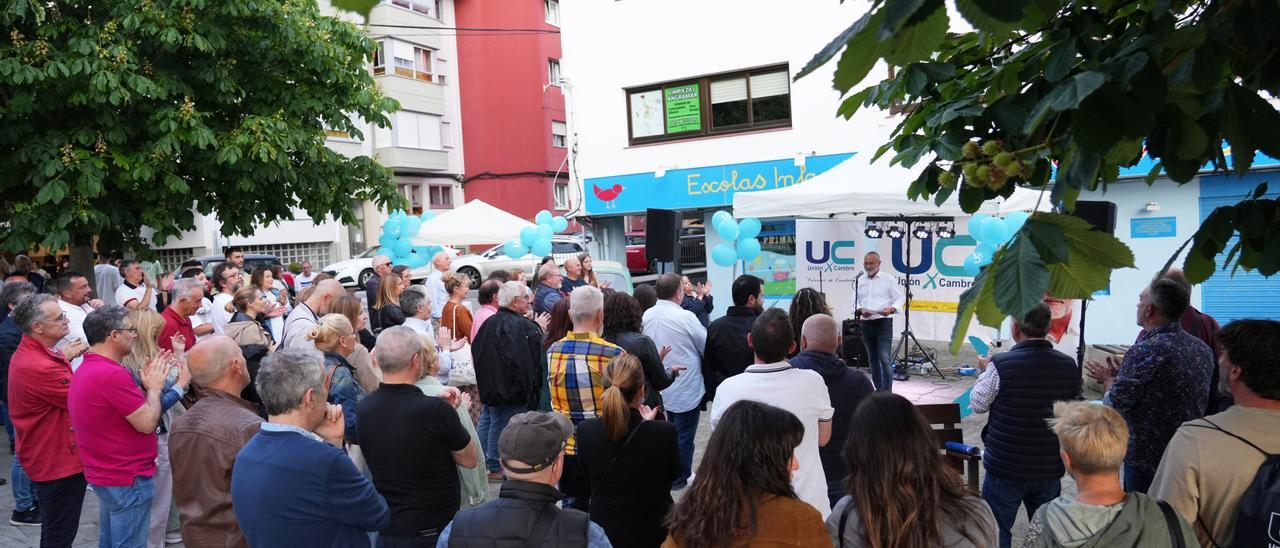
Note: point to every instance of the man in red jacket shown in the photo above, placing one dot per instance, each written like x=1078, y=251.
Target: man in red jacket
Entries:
x=39, y=379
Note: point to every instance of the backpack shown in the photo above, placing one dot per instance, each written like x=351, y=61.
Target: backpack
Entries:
x=1258, y=512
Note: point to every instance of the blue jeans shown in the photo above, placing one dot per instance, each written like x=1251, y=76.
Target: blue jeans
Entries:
x=124, y=513
x=493, y=419
x=24, y=492
x=877, y=336
x=1137, y=479
x=686, y=429
x=8, y=424
x=1004, y=496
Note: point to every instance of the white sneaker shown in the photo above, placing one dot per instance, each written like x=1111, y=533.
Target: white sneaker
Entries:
x=172, y=538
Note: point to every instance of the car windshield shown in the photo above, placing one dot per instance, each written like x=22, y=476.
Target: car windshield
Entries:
x=616, y=281
x=369, y=253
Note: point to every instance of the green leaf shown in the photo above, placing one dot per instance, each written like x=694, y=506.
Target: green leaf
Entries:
x=993, y=16
x=1154, y=173
x=1260, y=190
x=896, y=12
x=1021, y=277
x=1197, y=268
x=852, y=103
x=1077, y=277
x=1098, y=246
x=918, y=41
x=858, y=58
x=1062, y=56
x=1048, y=240
x=1192, y=140
x=964, y=313
x=971, y=198
x=834, y=46
x=1070, y=93
x=361, y=7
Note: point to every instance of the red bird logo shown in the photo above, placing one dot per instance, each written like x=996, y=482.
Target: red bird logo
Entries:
x=608, y=195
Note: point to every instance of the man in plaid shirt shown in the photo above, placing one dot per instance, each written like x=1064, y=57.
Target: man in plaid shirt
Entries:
x=575, y=371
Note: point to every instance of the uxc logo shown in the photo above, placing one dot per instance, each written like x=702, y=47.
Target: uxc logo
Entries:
x=831, y=251
x=841, y=252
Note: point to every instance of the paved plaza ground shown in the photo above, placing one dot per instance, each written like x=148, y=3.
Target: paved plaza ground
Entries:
x=920, y=389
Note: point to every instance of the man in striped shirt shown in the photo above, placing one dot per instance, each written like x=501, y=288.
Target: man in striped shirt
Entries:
x=575, y=370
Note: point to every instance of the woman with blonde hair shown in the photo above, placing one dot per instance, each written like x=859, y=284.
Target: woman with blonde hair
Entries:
x=630, y=459
x=474, y=481
x=386, y=304
x=336, y=338
x=145, y=347
x=351, y=307
x=247, y=305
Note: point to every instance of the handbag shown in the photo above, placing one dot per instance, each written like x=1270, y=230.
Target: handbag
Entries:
x=463, y=372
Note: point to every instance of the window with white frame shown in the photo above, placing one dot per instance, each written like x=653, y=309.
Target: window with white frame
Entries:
x=446, y=134
x=560, y=193
x=553, y=70
x=559, y=134
x=439, y=13
x=551, y=8
x=420, y=6
x=380, y=58
x=441, y=196
x=417, y=130
x=438, y=69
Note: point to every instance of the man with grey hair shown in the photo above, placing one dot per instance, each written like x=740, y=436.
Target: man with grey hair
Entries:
x=548, y=291
x=115, y=425
x=576, y=374
x=136, y=289
x=205, y=440
x=417, y=310
x=511, y=368
x=669, y=324
x=292, y=484
x=306, y=316
x=39, y=379
x=412, y=443
x=846, y=387
x=187, y=295
x=440, y=263
x=24, y=494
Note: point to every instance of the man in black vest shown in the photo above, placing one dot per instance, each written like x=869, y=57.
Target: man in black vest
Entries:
x=1019, y=387
x=531, y=450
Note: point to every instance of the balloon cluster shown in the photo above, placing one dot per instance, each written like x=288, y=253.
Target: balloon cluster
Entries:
x=536, y=239
x=991, y=233
x=741, y=235
x=396, y=231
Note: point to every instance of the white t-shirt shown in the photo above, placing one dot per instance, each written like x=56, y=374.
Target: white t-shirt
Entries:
x=302, y=281
x=126, y=293
x=75, y=323
x=219, y=314
x=802, y=393
x=203, y=316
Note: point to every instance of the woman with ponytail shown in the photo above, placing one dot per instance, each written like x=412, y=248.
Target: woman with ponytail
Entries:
x=248, y=306
x=629, y=458
x=336, y=338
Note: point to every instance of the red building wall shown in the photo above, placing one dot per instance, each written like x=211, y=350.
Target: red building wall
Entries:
x=506, y=114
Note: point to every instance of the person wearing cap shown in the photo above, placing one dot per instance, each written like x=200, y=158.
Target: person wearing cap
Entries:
x=531, y=451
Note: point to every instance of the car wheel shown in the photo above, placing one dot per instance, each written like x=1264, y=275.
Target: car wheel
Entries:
x=364, y=278
x=471, y=273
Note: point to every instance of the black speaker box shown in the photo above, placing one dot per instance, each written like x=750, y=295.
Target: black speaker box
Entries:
x=662, y=235
x=852, y=351
x=1102, y=215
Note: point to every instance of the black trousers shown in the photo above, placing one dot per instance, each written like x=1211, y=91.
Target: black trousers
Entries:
x=60, y=504
x=575, y=484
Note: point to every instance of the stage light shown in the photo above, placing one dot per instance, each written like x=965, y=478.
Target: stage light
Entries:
x=921, y=232
x=895, y=231
x=873, y=231
x=945, y=231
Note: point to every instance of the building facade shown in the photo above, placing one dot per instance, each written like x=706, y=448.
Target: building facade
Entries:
x=516, y=129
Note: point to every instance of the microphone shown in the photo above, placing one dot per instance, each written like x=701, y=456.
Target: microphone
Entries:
x=860, y=274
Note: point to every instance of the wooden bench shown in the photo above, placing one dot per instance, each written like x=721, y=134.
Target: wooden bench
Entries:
x=945, y=419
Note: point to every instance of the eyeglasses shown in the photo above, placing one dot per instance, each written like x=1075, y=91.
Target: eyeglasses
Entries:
x=133, y=330
x=62, y=317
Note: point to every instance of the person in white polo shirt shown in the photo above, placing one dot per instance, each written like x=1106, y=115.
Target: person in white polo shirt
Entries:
x=136, y=291
x=772, y=380
x=74, y=300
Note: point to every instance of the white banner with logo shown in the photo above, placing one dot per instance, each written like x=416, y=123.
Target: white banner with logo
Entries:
x=829, y=255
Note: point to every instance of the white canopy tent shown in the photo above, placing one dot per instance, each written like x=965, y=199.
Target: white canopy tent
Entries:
x=857, y=187
x=475, y=222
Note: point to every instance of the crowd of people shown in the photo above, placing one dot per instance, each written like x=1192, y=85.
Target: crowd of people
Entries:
x=253, y=409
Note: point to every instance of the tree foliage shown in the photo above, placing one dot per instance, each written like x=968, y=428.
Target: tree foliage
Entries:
x=124, y=114
x=1060, y=95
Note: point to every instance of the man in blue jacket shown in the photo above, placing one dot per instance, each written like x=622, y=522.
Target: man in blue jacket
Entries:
x=1019, y=388
x=292, y=484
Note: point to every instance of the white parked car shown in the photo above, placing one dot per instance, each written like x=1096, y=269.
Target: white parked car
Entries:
x=354, y=272
x=479, y=266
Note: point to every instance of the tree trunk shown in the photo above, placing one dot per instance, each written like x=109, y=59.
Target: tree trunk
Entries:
x=82, y=258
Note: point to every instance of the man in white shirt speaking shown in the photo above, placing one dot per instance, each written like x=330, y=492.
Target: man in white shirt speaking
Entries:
x=875, y=302
x=772, y=380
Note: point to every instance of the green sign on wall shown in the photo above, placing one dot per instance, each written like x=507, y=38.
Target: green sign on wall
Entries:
x=684, y=108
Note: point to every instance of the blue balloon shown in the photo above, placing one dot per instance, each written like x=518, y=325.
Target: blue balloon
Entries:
x=410, y=225
x=987, y=250
x=748, y=249
x=724, y=255
x=392, y=226
x=974, y=262
x=544, y=233
x=993, y=231
x=720, y=216
x=401, y=260
x=418, y=260
x=748, y=228
x=542, y=248
x=543, y=218
x=514, y=250
x=975, y=224
x=403, y=247
x=559, y=224
x=528, y=235
x=1015, y=220
x=728, y=229
x=386, y=241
